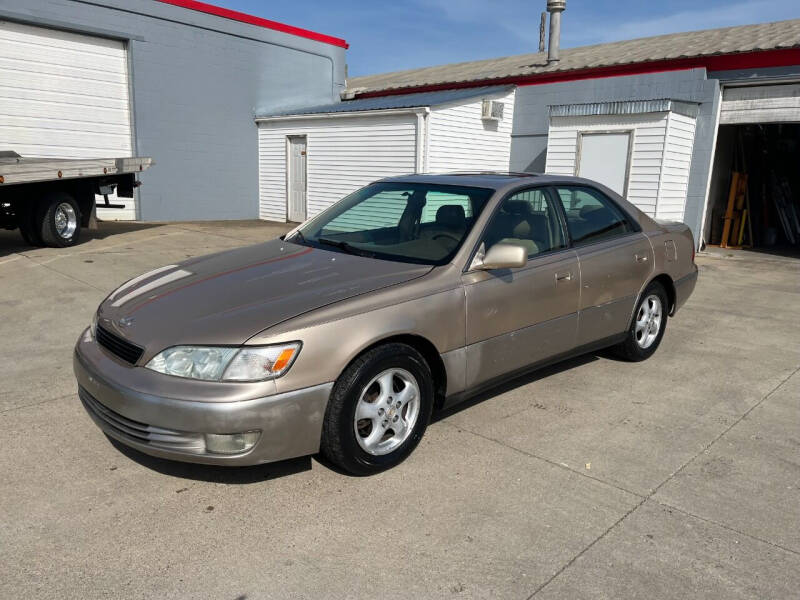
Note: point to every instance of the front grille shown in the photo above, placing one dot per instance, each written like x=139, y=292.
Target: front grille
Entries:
x=158, y=437
x=118, y=346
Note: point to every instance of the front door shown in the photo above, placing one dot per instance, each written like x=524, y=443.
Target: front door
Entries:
x=616, y=261
x=296, y=177
x=518, y=317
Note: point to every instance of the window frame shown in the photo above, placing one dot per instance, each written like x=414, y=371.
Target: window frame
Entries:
x=629, y=221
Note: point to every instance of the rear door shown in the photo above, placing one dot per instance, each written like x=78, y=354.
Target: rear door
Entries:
x=296, y=175
x=518, y=317
x=615, y=261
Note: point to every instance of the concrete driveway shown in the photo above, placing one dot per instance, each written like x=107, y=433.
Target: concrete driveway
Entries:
x=674, y=478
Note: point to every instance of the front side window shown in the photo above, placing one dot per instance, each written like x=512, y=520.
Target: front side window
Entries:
x=411, y=222
x=527, y=219
x=591, y=216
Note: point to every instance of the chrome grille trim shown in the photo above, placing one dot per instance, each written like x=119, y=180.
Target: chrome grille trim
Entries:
x=142, y=433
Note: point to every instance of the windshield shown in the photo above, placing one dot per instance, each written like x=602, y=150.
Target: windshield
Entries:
x=410, y=222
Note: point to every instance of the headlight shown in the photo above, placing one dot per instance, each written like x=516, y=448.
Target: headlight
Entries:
x=93, y=326
x=215, y=363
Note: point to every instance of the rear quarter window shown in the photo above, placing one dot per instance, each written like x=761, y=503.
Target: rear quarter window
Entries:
x=591, y=215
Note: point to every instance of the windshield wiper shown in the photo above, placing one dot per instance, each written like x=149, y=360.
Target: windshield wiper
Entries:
x=342, y=245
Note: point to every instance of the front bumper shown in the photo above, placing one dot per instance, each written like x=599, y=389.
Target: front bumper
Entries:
x=121, y=401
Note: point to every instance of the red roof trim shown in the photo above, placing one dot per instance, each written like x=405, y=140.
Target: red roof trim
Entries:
x=723, y=62
x=235, y=15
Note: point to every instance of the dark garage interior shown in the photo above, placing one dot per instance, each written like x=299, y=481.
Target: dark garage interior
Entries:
x=755, y=187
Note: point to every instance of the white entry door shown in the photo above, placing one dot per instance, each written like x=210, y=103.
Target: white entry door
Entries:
x=296, y=177
x=605, y=157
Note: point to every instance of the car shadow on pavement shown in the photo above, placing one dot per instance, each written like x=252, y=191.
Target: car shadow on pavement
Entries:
x=515, y=382
x=215, y=474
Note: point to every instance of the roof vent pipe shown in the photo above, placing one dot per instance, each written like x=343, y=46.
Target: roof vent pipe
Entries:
x=555, y=8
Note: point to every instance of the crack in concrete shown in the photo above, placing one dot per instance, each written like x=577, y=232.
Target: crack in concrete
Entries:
x=726, y=527
x=21, y=406
x=553, y=463
x=64, y=275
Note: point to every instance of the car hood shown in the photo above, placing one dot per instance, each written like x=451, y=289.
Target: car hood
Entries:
x=229, y=297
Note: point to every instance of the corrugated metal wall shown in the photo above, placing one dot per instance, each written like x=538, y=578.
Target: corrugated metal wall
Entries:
x=531, y=122
x=659, y=162
x=460, y=140
x=344, y=154
x=677, y=164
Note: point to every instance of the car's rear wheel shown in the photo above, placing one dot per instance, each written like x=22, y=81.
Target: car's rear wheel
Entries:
x=378, y=410
x=647, y=326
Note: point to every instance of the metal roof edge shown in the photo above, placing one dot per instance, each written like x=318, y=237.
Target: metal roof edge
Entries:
x=384, y=105
x=352, y=113
x=626, y=107
x=235, y=15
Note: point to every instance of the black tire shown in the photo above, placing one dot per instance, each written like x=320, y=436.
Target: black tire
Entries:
x=339, y=444
x=631, y=349
x=48, y=211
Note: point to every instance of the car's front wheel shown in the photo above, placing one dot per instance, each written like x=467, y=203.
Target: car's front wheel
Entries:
x=648, y=325
x=378, y=410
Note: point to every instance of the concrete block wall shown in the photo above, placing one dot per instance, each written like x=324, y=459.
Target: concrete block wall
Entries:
x=532, y=120
x=197, y=82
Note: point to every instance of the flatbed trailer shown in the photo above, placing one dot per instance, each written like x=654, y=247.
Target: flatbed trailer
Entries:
x=51, y=199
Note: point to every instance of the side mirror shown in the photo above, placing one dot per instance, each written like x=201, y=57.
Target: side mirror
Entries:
x=501, y=256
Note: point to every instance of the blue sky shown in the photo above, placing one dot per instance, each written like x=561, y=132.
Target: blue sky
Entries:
x=393, y=35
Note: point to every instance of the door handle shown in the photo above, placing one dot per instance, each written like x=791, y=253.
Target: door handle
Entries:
x=640, y=257
x=565, y=276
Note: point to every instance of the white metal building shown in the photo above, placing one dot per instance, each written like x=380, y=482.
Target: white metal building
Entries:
x=311, y=158
x=665, y=120
x=175, y=80
x=640, y=149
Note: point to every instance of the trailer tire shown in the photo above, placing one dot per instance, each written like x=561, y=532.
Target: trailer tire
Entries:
x=59, y=220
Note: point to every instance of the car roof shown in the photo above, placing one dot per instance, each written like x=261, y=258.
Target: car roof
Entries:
x=485, y=179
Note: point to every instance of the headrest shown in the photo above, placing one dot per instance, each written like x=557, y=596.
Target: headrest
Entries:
x=451, y=215
x=591, y=212
x=517, y=207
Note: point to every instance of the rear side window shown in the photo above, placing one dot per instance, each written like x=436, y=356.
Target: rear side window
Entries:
x=591, y=216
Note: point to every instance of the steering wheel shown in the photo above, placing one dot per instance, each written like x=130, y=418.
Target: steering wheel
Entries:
x=447, y=235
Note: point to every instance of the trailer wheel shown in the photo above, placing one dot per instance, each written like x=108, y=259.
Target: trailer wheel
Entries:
x=60, y=220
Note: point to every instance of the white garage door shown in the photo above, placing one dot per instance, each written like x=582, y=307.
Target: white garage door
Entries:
x=760, y=104
x=64, y=95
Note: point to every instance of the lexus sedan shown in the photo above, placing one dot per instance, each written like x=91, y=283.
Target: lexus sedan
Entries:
x=405, y=297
